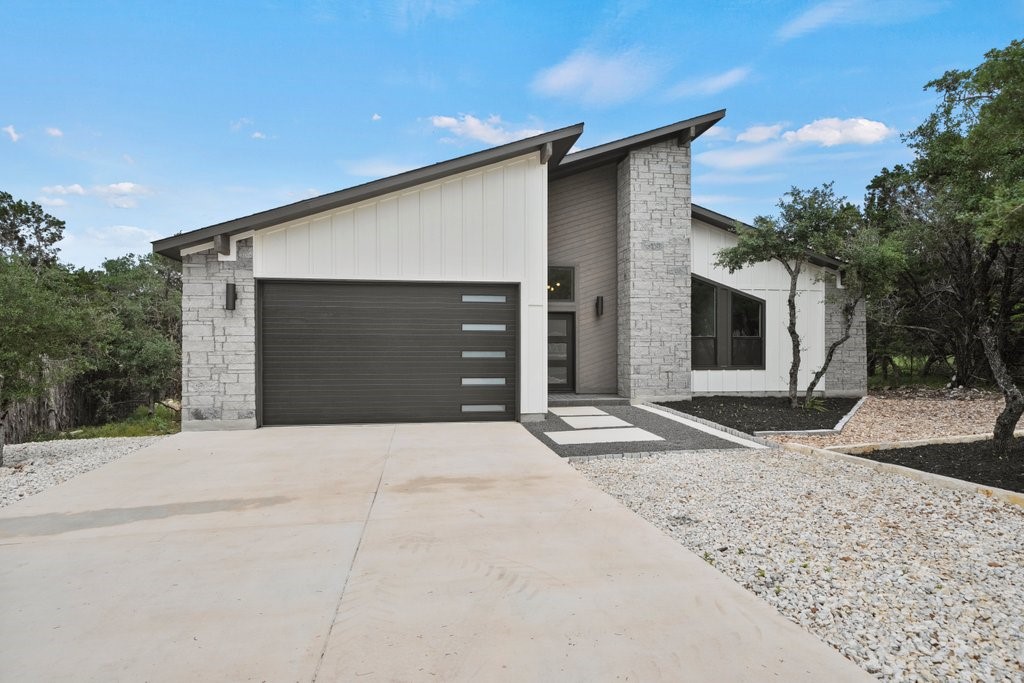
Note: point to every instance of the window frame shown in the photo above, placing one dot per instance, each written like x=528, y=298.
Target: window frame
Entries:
x=723, y=327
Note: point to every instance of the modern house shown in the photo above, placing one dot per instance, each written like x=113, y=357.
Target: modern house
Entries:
x=473, y=288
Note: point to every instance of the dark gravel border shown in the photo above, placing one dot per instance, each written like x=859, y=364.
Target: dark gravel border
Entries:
x=678, y=437
x=751, y=414
x=973, y=461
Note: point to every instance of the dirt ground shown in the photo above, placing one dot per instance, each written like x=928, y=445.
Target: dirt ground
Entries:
x=907, y=414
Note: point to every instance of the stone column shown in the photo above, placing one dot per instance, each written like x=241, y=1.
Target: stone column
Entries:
x=847, y=375
x=654, y=255
x=218, y=347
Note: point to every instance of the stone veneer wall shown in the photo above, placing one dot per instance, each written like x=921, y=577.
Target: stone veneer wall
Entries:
x=218, y=359
x=847, y=375
x=654, y=232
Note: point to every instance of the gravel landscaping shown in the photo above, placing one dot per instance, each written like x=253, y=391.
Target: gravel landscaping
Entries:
x=909, y=581
x=754, y=414
x=906, y=414
x=34, y=467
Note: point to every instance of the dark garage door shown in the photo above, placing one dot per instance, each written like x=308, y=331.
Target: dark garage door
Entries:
x=336, y=352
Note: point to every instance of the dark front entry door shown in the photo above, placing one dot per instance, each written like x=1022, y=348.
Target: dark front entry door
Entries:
x=561, y=352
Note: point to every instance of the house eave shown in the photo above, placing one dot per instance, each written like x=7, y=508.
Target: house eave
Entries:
x=554, y=145
x=732, y=225
x=686, y=131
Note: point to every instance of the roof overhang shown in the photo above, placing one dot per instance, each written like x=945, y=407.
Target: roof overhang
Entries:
x=612, y=152
x=732, y=225
x=552, y=146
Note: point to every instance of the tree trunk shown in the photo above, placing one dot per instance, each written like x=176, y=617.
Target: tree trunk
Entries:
x=4, y=406
x=849, y=309
x=794, y=336
x=1013, y=406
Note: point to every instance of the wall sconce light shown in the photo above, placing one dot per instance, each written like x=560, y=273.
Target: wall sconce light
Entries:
x=599, y=306
x=230, y=297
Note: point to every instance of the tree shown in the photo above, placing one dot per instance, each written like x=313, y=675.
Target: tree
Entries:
x=142, y=346
x=28, y=231
x=970, y=151
x=46, y=331
x=871, y=262
x=808, y=220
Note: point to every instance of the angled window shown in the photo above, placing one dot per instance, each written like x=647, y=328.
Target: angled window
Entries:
x=560, y=284
x=727, y=328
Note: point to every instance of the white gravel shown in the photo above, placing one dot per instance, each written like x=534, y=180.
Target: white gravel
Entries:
x=34, y=467
x=909, y=581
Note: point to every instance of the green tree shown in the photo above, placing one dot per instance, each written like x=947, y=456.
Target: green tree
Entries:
x=970, y=152
x=143, y=343
x=814, y=220
x=46, y=331
x=871, y=263
x=28, y=231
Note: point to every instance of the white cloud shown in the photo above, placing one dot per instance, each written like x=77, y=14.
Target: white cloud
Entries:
x=766, y=146
x=128, y=159
x=406, y=13
x=123, y=195
x=375, y=167
x=760, y=133
x=493, y=130
x=258, y=135
x=832, y=131
x=123, y=235
x=743, y=157
x=598, y=79
x=711, y=85
x=717, y=133
x=51, y=201
x=850, y=12
x=375, y=117
x=55, y=132
x=13, y=134
x=64, y=189
x=239, y=124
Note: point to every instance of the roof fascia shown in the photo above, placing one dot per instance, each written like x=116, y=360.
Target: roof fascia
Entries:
x=723, y=222
x=561, y=141
x=686, y=131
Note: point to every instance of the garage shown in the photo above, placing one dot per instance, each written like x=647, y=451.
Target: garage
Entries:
x=360, y=352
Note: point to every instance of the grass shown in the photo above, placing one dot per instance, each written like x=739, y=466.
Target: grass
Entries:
x=141, y=423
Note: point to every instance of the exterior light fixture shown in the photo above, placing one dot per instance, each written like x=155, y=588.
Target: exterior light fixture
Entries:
x=230, y=297
x=599, y=306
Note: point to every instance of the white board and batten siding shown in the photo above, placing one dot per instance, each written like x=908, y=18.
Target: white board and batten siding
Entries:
x=485, y=225
x=768, y=281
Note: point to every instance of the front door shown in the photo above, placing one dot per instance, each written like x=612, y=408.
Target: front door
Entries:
x=561, y=352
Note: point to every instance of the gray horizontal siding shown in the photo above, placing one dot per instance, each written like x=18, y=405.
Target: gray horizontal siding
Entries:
x=582, y=233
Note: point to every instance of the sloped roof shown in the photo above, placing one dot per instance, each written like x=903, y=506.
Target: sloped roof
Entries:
x=731, y=225
x=689, y=130
x=560, y=140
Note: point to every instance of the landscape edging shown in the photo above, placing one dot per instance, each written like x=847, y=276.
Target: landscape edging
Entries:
x=714, y=425
x=854, y=448
x=937, y=480
x=817, y=432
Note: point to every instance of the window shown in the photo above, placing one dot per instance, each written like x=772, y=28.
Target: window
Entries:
x=727, y=327
x=560, y=284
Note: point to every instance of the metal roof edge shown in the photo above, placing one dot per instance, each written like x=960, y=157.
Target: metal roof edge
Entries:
x=723, y=222
x=561, y=141
x=612, y=151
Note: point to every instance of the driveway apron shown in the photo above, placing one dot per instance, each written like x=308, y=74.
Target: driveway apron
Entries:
x=387, y=552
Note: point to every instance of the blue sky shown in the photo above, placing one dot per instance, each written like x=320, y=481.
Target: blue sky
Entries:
x=136, y=120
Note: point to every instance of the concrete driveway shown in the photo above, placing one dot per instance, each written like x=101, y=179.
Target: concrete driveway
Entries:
x=409, y=552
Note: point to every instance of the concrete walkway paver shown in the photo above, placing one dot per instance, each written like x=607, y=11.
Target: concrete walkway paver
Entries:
x=409, y=552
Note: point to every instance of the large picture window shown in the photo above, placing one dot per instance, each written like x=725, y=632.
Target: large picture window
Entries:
x=727, y=327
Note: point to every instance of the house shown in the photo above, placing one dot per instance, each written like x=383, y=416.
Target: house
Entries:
x=471, y=288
